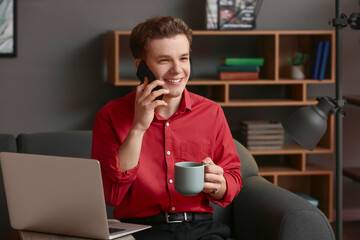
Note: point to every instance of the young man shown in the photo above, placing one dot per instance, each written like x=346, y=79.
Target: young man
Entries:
x=138, y=139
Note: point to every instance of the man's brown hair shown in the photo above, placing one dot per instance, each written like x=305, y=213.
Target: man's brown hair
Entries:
x=156, y=27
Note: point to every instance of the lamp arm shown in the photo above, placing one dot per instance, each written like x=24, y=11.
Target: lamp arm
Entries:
x=339, y=106
x=337, y=103
x=343, y=21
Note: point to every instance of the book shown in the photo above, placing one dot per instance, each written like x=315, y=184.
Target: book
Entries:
x=238, y=76
x=324, y=59
x=211, y=17
x=238, y=68
x=249, y=137
x=238, y=14
x=265, y=131
x=317, y=60
x=261, y=124
x=242, y=61
x=251, y=148
x=265, y=143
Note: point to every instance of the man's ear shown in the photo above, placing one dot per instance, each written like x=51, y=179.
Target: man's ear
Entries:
x=137, y=61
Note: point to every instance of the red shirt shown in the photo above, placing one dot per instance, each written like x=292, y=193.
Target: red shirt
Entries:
x=196, y=131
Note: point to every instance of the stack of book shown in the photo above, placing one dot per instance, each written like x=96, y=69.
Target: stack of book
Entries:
x=262, y=135
x=240, y=68
x=320, y=57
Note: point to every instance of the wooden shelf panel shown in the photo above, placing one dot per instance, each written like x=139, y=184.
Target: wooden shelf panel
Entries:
x=292, y=148
x=288, y=171
x=353, y=99
x=127, y=82
x=252, y=32
x=265, y=103
x=275, y=170
x=232, y=33
x=207, y=82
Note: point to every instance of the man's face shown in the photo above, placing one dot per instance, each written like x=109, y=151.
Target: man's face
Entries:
x=169, y=60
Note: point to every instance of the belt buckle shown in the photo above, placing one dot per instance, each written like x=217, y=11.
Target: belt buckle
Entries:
x=174, y=221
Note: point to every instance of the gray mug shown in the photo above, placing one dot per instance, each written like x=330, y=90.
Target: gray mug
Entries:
x=189, y=177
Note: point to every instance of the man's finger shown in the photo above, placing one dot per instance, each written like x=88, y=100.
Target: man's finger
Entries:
x=208, y=160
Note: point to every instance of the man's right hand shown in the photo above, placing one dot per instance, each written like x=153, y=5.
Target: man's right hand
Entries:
x=129, y=150
x=145, y=104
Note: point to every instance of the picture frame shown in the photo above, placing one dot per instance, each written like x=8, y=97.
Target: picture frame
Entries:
x=8, y=28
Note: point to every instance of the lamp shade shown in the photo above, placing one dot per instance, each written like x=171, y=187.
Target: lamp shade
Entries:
x=308, y=125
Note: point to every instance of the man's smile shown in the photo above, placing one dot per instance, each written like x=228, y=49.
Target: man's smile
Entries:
x=174, y=80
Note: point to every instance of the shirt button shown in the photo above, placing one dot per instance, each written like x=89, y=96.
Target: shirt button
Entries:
x=168, y=152
x=167, y=124
x=173, y=209
x=170, y=181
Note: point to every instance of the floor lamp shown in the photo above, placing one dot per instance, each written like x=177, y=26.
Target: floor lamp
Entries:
x=308, y=125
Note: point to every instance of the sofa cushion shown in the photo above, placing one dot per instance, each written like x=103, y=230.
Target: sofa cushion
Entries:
x=66, y=144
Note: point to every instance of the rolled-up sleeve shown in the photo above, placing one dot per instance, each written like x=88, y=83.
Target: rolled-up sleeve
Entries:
x=105, y=145
x=225, y=155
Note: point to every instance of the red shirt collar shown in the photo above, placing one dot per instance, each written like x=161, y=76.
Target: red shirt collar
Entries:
x=186, y=105
x=186, y=102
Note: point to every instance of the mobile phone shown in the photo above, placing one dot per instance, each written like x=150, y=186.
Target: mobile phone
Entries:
x=144, y=71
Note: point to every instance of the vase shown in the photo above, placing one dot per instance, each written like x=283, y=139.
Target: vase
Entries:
x=297, y=72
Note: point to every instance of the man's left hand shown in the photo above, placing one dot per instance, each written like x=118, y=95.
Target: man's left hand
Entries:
x=215, y=183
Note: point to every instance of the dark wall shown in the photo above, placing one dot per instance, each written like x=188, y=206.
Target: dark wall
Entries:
x=57, y=81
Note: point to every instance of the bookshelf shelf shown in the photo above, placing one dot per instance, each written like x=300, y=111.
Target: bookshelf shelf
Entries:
x=263, y=103
x=292, y=148
x=199, y=82
x=274, y=89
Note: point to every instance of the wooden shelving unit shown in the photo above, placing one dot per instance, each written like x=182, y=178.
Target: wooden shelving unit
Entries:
x=288, y=167
x=352, y=172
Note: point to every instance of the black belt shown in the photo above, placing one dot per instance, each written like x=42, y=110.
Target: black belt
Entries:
x=165, y=217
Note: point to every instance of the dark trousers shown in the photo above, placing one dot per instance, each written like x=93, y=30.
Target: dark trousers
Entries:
x=196, y=230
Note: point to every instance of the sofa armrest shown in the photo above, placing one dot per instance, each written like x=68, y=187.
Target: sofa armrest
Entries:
x=265, y=211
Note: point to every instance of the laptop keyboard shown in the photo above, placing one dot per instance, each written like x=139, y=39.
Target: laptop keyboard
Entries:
x=115, y=230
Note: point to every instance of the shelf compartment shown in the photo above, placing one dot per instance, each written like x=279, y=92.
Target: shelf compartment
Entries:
x=290, y=162
x=218, y=93
x=120, y=62
x=290, y=43
x=242, y=46
x=268, y=93
x=270, y=178
x=312, y=183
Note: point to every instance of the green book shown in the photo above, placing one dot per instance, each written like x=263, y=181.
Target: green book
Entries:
x=242, y=61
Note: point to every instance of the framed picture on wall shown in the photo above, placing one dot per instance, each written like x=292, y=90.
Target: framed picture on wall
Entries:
x=8, y=28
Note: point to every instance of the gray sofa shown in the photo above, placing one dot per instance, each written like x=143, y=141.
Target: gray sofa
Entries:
x=7, y=144
x=260, y=211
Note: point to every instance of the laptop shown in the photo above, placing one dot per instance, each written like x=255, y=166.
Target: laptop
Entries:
x=59, y=195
